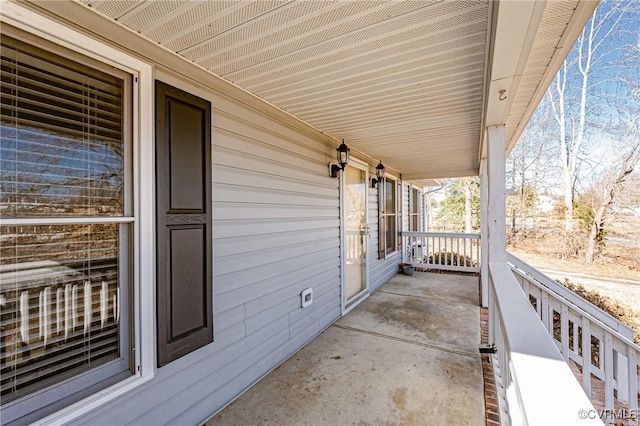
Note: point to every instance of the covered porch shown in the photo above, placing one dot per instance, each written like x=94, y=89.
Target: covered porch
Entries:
x=431, y=89
x=406, y=355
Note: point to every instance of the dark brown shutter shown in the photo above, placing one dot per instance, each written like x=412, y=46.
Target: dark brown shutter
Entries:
x=184, y=221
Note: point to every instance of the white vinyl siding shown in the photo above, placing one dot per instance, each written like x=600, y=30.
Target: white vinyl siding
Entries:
x=276, y=232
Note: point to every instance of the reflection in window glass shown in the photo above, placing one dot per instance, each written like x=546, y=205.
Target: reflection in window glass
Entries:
x=61, y=141
x=61, y=303
x=389, y=196
x=63, y=287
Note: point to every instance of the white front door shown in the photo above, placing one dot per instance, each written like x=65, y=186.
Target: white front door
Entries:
x=354, y=249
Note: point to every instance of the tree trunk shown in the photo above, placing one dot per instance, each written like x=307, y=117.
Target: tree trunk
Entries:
x=594, y=234
x=568, y=202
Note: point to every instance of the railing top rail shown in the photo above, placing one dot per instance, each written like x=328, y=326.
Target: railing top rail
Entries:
x=534, y=358
x=588, y=307
x=440, y=234
x=591, y=318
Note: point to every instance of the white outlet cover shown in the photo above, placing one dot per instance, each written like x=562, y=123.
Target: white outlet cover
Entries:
x=307, y=297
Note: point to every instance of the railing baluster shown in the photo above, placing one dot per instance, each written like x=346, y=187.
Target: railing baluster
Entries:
x=608, y=371
x=586, y=355
x=621, y=376
x=59, y=310
x=67, y=310
x=46, y=315
x=87, y=306
x=104, y=300
x=116, y=306
x=632, y=368
x=24, y=316
x=546, y=313
x=74, y=306
x=564, y=331
x=41, y=314
x=468, y=256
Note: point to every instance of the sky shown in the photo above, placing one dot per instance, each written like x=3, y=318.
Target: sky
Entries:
x=613, y=95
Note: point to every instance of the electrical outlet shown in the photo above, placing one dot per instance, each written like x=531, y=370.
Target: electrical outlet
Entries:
x=307, y=297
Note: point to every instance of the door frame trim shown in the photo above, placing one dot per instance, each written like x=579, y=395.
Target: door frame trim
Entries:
x=345, y=305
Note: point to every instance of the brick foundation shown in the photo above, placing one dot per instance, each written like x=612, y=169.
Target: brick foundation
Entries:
x=491, y=408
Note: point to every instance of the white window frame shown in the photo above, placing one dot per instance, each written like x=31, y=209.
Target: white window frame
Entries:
x=143, y=276
x=397, y=214
x=412, y=202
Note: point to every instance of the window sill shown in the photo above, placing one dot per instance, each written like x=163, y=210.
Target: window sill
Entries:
x=93, y=402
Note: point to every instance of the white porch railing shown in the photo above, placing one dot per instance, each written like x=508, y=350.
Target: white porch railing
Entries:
x=539, y=387
x=449, y=251
x=601, y=345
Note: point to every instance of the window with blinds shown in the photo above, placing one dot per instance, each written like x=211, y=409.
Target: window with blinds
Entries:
x=414, y=210
x=65, y=233
x=391, y=221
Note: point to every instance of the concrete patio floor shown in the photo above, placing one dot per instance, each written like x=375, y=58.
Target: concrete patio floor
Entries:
x=406, y=355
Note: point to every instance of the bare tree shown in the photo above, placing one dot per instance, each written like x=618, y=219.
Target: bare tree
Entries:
x=605, y=191
x=530, y=166
x=575, y=93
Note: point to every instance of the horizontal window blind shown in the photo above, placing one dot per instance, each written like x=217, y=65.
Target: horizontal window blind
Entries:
x=60, y=303
x=63, y=287
x=61, y=142
x=390, y=215
x=414, y=212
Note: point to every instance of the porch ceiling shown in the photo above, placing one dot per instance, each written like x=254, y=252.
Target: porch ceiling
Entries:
x=404, y=82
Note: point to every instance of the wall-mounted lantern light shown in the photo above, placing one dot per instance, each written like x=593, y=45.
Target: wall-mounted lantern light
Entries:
x=343, y=154
x=379, y=175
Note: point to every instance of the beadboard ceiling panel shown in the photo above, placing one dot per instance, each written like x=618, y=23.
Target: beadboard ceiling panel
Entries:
x=402, y=81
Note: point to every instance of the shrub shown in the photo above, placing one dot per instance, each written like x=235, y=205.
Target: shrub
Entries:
x=450, y=258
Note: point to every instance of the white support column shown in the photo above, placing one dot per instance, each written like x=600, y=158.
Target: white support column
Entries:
x=484, y=208
x=496, y=214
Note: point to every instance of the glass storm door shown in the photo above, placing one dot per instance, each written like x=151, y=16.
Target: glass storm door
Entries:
x=355, y=225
